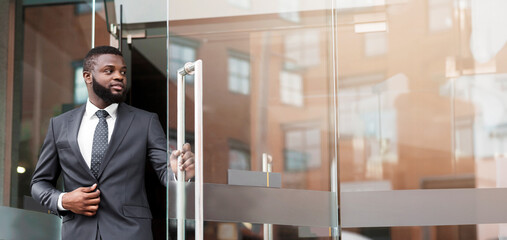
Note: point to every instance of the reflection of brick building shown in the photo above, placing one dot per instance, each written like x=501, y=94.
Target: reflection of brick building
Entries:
x=406, y=118
x=274, y=108
x=402, y=95
x=402, y=120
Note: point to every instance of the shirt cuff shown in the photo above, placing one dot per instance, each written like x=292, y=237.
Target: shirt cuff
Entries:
x=60, y=205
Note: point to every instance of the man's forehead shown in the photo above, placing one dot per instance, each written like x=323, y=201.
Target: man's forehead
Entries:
x=110, y=59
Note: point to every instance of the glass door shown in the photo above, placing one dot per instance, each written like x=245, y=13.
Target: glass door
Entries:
x=268, y=117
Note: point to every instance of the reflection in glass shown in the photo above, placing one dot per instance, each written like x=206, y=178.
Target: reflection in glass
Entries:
x=267, y=90
x=180, y=52
x=421, y=105
x=45, y=79
x=52, y=81
x=239, y=73
x=291, y=88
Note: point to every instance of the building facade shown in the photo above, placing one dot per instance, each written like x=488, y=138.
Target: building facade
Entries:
x=387, y=114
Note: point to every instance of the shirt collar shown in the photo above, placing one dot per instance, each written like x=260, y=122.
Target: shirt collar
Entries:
x=92, y=109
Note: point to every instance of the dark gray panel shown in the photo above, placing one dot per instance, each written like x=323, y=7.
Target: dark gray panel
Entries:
x=48, y=2
x=23, y=224
x=227, y=203
x=251, y=178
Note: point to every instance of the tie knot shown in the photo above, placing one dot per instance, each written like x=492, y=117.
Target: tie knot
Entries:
x=101, y=114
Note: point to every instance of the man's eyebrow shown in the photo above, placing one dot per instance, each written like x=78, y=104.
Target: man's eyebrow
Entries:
x=113, y=66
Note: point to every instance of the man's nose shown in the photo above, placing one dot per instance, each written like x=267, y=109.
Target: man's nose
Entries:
x=118, y=76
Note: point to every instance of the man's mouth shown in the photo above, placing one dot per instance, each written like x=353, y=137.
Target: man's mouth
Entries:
x=117, y=87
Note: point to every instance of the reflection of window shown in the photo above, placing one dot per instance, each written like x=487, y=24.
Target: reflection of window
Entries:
x=239, y=73
x=375, y=44
x=239, y=159
x=239, y=155
x=80, y=91
x=83, y=8
x=181, y=51
x=240, y=3
x=291, y=88
x=289, y=10
x=302, y=148
x=302, y=49
x=440, y=15
x=464, y=138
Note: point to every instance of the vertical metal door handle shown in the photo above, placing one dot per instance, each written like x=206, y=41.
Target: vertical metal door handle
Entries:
x=198, y=129
x=180, y=190
x=196, y=69
x=267, y=167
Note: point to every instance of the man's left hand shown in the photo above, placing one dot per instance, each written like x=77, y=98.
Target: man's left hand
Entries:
x=187, y=161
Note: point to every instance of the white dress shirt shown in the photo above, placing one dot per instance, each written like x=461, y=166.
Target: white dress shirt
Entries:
x=87, y=130
x=88, y=125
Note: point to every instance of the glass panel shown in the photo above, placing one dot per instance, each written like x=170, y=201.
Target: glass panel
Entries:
x=280, y=68
x=51, y=79
x=268, y=89
x=420, y=106
x=46, y=42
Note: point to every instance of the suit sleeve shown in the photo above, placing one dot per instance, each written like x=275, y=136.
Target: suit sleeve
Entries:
x=46, y=174
x=157, y=150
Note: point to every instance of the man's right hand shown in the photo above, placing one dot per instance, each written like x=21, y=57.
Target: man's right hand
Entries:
x=83, y=200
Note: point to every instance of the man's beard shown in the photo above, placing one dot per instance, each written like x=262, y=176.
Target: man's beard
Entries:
x=106, y=94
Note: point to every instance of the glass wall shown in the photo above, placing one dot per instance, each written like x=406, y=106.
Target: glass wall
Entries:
x=46, y=45
x=421, y=96
x=412, y=89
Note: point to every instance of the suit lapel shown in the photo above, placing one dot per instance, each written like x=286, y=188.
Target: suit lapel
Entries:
x=123, y=122
x=74, y=122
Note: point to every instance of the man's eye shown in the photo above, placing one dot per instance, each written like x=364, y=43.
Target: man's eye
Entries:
x=123, y=72
x=108, y=71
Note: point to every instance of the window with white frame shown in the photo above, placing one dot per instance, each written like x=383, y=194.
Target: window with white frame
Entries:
x=239, y=73
x=181, y=51
x=302, y=148
x=302, y=48
x=291, y=88
x=239, y=159
x=85, y=8
x=239, y=155
x=80, y=90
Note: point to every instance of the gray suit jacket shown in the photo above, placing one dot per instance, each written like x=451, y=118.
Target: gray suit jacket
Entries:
x=123, y=212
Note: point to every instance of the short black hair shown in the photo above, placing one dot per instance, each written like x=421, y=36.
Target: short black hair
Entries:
x=91, y=56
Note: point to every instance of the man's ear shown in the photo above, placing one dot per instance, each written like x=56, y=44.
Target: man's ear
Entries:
x=87, y=77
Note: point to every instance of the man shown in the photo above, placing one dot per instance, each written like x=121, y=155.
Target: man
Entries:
x=100, y=149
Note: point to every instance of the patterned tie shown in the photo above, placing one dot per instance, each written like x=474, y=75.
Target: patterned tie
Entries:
x=100, y=142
